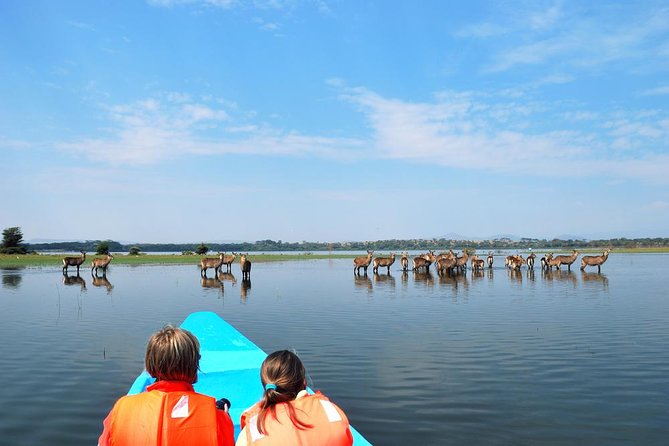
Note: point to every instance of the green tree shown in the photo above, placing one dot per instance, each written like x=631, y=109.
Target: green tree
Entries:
x=11, y=241
x=202, y=249
x=102, y=248
x=134, y=251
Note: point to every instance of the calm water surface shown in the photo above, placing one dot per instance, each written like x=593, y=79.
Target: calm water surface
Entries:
x=500, y=358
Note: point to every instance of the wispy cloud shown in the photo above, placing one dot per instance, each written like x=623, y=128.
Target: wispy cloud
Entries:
x=174, y=126
x=524, y=36
x=657, y=91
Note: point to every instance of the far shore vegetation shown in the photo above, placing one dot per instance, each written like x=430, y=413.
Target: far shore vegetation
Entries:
x=14, y=252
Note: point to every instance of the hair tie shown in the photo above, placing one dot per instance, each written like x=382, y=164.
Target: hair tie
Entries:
x=270, y=386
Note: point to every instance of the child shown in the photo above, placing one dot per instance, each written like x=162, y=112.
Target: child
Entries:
x=170, y=412
x=286, y=414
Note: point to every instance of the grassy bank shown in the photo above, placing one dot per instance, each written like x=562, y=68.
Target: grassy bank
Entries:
x=167, y=259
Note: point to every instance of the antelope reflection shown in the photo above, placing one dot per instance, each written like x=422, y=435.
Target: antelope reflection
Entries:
x=384, y=279
x=594, y=278
x=102, y=282
x=559, y=275
x=74, y=280
x=363, y=282
x=425, y=278
x=11, y=279
x=244, y=290
x=227, y=277
x=211, y=283
x=455, y=281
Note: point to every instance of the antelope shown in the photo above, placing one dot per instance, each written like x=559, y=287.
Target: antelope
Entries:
x=553, y=262
x=209, y=262
x=362, y=262
x=445, y=263
x=383, y=261
x=530, y=260
x=404, y=261
x=597, y=261
x=566, y=260
x=227, y=261
x=545, y=259
x=74, y=261
x=490, y=259
x=101, y=263
x=245, y=264
x=515, y=262
x=477, y=264
x=461, y=262
x=423, y=261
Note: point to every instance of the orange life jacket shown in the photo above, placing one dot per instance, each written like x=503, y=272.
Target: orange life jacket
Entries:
x=330, y=424
x=168, y=413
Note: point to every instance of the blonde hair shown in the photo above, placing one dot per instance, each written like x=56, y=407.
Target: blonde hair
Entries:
x=286, y=376
x=173, y=354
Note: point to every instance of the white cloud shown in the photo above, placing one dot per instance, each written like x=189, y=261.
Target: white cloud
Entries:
x=662, y=90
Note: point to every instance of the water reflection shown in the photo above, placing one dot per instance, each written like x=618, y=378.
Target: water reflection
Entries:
x=102, y=282
x=455, y=281
x=424, y=278
x=11, y=278
x=227, y=277
x=594, y=279
x=516, y=275
x=244, y=290
x=362, y=282
x=212, y=283
x=560, y=275
x=384, y=279
x=74, y=280
x=530, y=275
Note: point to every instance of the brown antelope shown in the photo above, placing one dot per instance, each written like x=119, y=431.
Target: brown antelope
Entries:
x=530, y=260
x=383, y=261
x=515, y=261
x=362, y=262
x=404, y=261
x=477, y=264
x=209, y=262
x=245, y=265
x=490, y=259
x=566, y=260
x=597, y=261
x=74, y=261
x=446, y=264
x=545, y=259
x=423, y=261
x=101, y=263
x=461, y=262
x=227, y=261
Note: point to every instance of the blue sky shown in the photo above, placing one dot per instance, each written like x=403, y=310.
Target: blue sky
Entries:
x=193, y=120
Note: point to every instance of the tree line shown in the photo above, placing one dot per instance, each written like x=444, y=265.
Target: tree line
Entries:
x=378, y=245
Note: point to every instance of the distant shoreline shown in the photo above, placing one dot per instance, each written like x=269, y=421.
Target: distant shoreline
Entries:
x=9, y=260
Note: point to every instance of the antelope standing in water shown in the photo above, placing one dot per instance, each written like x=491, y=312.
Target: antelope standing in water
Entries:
x=477, y=264
x=445, y=263
x=209, y=262
x=597, y=261
x=101, y=263
x=515, y=262
x=461, y=262
x=423, y=261
x=383, y=261
x=74, y=261
x=490, y=259
x=362, y=262
x=245, y=265
x=227, y=261
x=530, y=260
x=565, y=260
x=545, y=260
x=404, y=261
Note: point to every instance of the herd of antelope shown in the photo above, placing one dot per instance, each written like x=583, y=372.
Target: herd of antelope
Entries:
x=450, y=262
x=223, y=259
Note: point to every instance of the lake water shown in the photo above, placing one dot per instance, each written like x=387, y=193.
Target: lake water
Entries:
x=498, y=358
